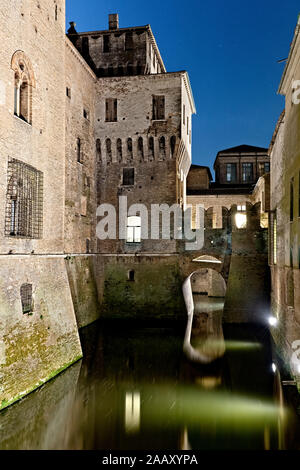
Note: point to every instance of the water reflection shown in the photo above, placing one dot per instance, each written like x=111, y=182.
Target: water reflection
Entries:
x=136, y=390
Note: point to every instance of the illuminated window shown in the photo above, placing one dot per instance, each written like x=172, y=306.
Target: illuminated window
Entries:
x=133, y=229
x=241, y=217
x=231, y=172
x=247, y=172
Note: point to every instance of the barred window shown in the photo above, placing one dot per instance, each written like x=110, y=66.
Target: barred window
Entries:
x=26, y=298
x=24, y=201
x=158, y=107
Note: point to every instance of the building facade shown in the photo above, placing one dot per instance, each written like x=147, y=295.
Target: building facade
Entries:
x=285, y=213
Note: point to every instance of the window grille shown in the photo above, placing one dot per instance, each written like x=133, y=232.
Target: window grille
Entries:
x=24, y=201
x=26, y=298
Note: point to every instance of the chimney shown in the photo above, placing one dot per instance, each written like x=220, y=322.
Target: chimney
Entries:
x=113, y=21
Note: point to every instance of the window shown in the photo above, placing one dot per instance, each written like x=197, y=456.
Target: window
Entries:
x=133, y=229
x=241, y=216
x=108, y=151
x=24, y=81
x=131, y=276
x=24, y=201
x=26, y=298
x=128, y=176
x=231, y=172
x=158, y=105
x=119, y=150
x=68, y=92
x=55, y=14
x=106, y=43
x=247, y=172
x=129, y=149
x=263, y=168
x=151, y=148
x=79, y=153
x=172, y=145
x=129, y=41
x=140, y=148
x=183, y=115
x=98, y=150
x=85, y=114
x=111, y=110
x=292, y=200
x=162, y=147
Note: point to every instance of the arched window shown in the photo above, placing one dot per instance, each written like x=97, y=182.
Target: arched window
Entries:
x=151, y=148
x=162, y=147
x=119, y=150
x=140, y=148
x=133, y=234
x=98, y=150
x=108, y=151
x=129, y=149
x=172, y=145
x=24, y=81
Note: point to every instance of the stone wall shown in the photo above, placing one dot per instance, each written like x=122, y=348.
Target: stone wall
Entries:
x=80, y=197
x=155, y=291
x=39, y=344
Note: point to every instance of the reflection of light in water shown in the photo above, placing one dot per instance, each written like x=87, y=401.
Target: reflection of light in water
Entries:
x=132, y=411
x=208, y=382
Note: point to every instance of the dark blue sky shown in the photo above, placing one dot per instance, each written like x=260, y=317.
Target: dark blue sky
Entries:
x=230, y=49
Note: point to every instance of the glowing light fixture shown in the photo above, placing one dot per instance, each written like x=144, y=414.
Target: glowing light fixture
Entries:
x=273, y=321
x=274, y=368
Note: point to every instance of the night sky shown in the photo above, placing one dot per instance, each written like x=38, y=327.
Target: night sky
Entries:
x=230, y=50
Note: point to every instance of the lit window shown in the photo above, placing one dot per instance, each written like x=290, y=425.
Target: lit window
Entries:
x=240, y=220
x=133, y=229
x=247, y=172
x=241, y=208
x=231, y=172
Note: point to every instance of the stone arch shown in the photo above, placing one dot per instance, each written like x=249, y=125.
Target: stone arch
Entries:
x=208, y=281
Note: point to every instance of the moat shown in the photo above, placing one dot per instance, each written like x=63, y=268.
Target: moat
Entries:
x=135, y=389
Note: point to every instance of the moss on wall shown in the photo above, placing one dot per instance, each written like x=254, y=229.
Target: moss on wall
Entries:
x=155, y=292
x=83, y=289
